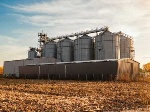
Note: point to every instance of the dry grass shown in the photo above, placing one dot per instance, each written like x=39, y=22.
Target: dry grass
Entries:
x=143, y=77
x=68, y=96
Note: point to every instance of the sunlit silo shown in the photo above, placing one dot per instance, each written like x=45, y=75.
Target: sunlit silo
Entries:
x=83, y=48
x=107, y=46
x=32, y=53
x=65, y=50
x=126, y=47
x=49, y=49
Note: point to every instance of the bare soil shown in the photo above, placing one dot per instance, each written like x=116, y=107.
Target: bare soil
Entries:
x=73, y=96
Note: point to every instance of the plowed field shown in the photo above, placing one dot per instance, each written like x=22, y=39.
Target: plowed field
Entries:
x=76, y=96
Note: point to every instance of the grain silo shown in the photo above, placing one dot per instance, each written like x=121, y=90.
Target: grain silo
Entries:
x=65, y=50
x=126, y=47
x=32, y=53
x=107, y=46
x=83, y=48
x=49, y=49
x=43, y=51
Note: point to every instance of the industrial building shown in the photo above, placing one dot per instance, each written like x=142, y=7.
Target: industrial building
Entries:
x=12, y=67
x=105, y=45
x=85, y=56
x=122, y=69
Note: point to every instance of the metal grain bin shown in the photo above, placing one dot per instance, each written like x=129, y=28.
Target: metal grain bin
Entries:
x=107, y=46
x=32, y=53
x=83, y=48
x=65, y=50
x=126, y=47
x=50, y=49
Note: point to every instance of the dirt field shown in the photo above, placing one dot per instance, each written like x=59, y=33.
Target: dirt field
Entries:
x=68, y=96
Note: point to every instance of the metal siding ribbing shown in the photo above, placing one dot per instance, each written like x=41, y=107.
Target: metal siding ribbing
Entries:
x=103, y=70
x=52, y=71
x=21, y=72
x=107, y=46
x=9, y=67
x=122, y=74
x=24, y=71
x=16, y=66
x=126, y=47
x=34, y=72
x=50, y=49
x=135, y=69
x=32, y=54
x=65, y=50
x=44, y=71
x=83, y=48
x=12, y=67
x=92, y=71
x=127, y=69
x=27, y=62
x=29, y=72
x=60, y=71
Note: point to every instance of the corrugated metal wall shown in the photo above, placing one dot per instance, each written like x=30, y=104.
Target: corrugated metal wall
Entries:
x=17, y=63
x=29, y=72
x=104, y=70
x=9, y=67
x=12, y=67
x=98, y=70
x=44, y=71
x=127, y=69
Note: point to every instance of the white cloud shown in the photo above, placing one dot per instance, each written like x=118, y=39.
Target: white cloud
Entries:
x=62, y=17
x=15, y=48
x=11, y=49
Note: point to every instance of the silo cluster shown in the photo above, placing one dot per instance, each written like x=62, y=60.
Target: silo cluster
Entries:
x=104, y=56
x=105, y=45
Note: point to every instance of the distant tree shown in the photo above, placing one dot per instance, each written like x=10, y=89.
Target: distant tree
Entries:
x=140, y=69
x=146, y=67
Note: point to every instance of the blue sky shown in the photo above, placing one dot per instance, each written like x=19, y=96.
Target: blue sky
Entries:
x=21, y=20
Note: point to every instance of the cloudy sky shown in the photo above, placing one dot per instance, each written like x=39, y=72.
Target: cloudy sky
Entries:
x=21, y=20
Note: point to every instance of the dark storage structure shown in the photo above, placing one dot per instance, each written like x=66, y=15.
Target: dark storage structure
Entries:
x=29, y=72
x=12, y=67
x=128, y=69
x=107, y=70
